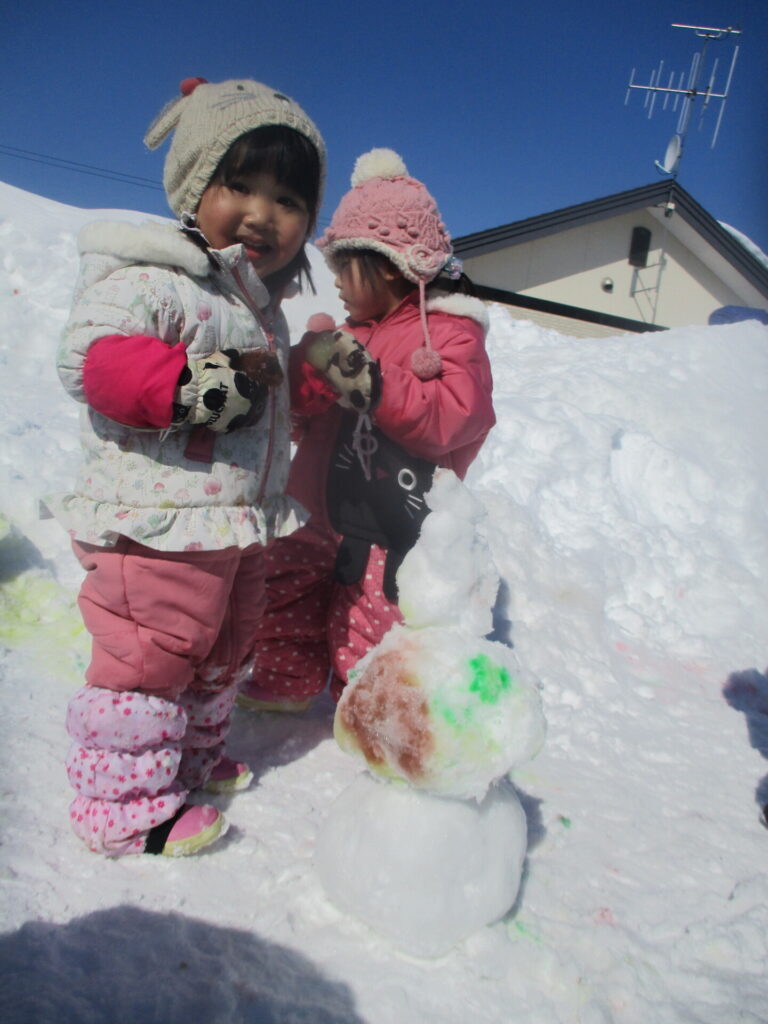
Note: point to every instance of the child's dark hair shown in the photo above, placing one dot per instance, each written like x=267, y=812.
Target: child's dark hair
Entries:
x=372, y=265
x=293, y=161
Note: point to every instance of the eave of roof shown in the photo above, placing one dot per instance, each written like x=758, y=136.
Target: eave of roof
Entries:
x=659, y=194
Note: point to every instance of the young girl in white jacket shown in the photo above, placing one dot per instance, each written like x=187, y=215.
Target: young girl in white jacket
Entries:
x=176, y=346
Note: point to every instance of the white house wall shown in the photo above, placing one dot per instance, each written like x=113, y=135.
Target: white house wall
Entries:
x=563, y=325
x=571, y=266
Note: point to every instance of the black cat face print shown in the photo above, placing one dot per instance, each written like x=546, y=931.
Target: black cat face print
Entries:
x=379, y=500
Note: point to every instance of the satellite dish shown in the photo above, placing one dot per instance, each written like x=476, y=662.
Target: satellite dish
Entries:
x=672, y=155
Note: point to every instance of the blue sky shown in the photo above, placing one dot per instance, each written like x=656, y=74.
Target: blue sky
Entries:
x=506, y=110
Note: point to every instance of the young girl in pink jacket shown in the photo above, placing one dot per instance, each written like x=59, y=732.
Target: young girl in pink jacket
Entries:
x=175, y=347
x=405, y=387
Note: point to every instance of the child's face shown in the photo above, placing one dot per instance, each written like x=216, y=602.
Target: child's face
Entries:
x=364, y=299
x=254, y=209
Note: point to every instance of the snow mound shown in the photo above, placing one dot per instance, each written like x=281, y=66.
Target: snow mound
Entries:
x=626, y=487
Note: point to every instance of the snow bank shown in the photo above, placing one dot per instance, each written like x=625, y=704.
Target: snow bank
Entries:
x=626, y=490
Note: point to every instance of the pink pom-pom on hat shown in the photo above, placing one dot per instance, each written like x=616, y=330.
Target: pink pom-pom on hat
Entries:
x=320, y=322
x=426, y=363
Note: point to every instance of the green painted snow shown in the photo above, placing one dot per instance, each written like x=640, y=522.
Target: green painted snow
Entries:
x=489, y=680
x=39, y=617
x=488, y=684
x=525, y=932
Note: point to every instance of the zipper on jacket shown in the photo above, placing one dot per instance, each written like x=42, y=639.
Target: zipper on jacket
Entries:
x=272, y=401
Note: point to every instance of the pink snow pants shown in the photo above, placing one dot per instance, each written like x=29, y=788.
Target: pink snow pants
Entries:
x=173, y=635
x=312, y=623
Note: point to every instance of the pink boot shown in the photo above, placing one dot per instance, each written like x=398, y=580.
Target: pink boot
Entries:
x=191, y=829
x=229, y=777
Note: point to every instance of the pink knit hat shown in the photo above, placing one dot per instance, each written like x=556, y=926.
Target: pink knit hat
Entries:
x=393, y=214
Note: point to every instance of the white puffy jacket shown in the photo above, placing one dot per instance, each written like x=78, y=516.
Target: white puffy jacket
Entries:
x=151, y=279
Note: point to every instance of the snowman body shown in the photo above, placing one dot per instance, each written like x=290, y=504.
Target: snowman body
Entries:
x=428, y=844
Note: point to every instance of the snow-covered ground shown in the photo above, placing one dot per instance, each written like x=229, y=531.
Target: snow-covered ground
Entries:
x=626, y=487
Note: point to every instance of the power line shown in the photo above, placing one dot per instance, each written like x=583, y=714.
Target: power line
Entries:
x=79, y=168
x=94, y=172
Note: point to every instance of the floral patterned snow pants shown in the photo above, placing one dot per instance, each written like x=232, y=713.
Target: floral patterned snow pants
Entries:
x=173, y=634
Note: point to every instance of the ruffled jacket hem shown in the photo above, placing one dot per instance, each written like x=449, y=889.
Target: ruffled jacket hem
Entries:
x=177, y=529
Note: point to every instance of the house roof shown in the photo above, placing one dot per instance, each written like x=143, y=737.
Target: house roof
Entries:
x=665, y=199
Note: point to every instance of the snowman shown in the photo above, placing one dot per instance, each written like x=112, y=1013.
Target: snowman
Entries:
x=427, y=845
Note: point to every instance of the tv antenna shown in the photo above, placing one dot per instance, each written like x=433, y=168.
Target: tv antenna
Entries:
x=684, y=93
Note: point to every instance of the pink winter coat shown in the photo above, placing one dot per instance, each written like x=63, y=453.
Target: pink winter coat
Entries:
x=444, y=420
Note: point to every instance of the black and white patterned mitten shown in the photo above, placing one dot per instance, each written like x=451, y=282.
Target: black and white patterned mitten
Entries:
x=217, y=394
x=349, y=369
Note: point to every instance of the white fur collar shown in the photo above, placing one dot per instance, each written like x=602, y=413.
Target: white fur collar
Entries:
x=150, y=242
x=460, y=305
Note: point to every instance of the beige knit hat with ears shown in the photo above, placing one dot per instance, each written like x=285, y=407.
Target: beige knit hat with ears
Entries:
x=206, y=119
